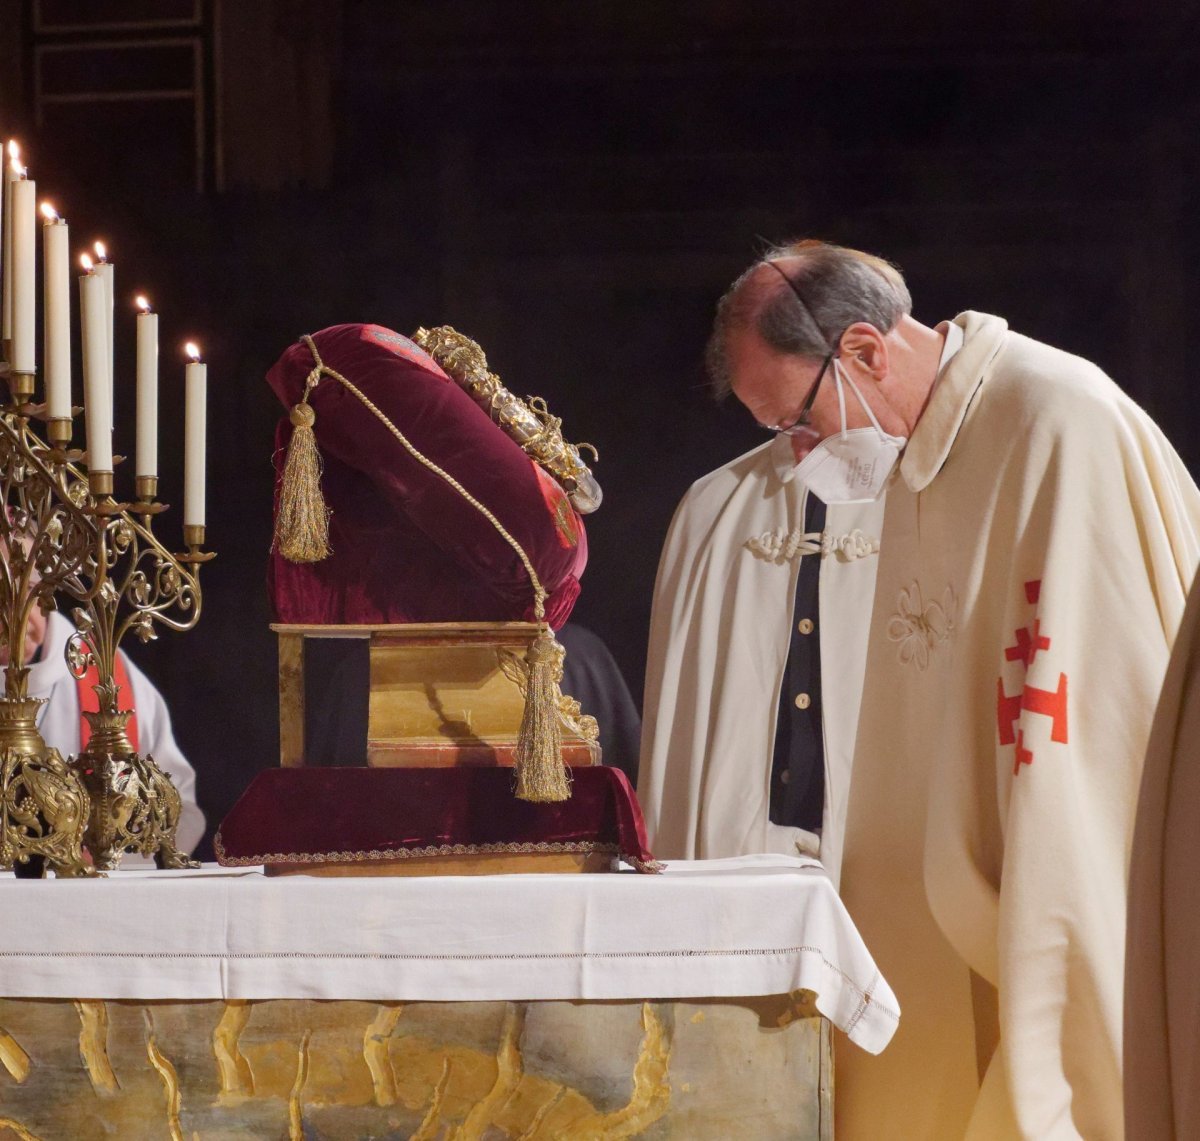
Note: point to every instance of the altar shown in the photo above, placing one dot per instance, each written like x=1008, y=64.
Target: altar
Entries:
x=224, y=1003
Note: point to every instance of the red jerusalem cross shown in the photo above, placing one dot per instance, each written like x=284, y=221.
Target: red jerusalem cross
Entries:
x=1028, y=645
x=1053, y=705
x=1024, y=755
x=1008, y=710
x=1050, y=703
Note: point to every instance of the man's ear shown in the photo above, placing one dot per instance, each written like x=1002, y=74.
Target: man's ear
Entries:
x=864, y=349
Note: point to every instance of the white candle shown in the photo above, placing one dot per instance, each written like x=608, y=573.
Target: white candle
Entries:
x=24, y=244
x=97, y=416
x=195, y=399
x=5, y=313
x=56, y=314
x=147, y=390
x=104, y=271
x=11, y=170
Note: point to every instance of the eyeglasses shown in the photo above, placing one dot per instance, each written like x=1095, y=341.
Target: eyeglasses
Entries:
x=802, y=418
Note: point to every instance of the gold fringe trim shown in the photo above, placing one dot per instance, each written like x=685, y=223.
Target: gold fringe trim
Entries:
x=507, y=848
x=514, y=848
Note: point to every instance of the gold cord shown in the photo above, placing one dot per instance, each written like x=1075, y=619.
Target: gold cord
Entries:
x=539, y=592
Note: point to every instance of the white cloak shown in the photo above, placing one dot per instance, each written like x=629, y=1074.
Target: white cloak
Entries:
x=1034, y=563
x=59, y=719
x=719, y=638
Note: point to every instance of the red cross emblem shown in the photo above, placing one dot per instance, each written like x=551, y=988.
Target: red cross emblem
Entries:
x=1030, y=699
x=1027, y=644
x=1024, y=755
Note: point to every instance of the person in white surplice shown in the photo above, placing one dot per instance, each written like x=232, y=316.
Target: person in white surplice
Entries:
x=1038, y=540
x=60, y=721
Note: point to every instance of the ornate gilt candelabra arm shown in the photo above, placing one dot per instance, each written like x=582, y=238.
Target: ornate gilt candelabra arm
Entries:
x=45, y=537
x=130, y=584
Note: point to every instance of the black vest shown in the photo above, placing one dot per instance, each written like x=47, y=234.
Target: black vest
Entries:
x=798, y=767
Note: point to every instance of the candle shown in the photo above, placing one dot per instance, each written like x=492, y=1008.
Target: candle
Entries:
x=97, y=414
x=195, y=396
x=11, y=171
x=104, y=271
x=56, y=315
x=24, y=283
x=147, y=390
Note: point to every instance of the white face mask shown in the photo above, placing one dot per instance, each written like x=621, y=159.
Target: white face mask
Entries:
x=852, y=466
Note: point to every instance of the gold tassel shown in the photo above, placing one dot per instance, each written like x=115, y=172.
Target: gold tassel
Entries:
x=302, y=525
x=541, y=775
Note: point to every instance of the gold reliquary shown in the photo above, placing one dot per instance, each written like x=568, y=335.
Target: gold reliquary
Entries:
x=441, y=694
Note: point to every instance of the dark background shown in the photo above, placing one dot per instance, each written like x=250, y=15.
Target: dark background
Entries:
x=573, y=183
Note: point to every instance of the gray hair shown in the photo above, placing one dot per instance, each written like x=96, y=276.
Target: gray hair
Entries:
x=839, y=286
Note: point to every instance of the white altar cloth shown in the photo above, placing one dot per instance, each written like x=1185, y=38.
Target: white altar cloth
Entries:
x=753, y=925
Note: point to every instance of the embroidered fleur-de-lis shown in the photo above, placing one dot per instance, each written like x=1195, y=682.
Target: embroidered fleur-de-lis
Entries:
x=919, y=629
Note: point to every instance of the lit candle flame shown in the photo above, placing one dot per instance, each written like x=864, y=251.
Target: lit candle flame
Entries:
x=14, y=151
x=143, y=304
x=19, y=170
x=192, y=350
x=101, y=253
x=86, y=262
x=49, y=213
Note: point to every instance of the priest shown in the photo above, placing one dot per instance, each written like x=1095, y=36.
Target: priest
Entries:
x=754, y=672
x=1038, y=541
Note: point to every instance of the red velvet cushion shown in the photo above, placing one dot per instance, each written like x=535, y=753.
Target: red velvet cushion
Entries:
x=334, y=814
x=406, y=546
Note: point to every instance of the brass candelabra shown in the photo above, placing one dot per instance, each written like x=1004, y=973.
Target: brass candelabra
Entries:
x=62, y=534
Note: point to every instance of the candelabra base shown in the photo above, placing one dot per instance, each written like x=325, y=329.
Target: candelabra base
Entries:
x=43, y=804
x=135, y=805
